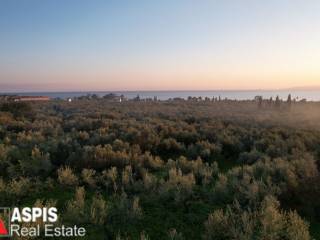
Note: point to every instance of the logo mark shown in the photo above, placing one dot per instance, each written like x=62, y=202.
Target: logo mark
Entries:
x=3, y=230
x=4, y=222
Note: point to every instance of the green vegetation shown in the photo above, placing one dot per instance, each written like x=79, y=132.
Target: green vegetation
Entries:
x=192, y=169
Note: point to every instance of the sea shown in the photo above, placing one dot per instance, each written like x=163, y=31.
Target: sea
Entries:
x=309, y=95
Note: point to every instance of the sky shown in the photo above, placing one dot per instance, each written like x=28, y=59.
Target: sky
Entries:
x=100, y=45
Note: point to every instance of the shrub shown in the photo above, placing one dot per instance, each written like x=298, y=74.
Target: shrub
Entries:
x=173, y=234
x=19, y=187
x=88, y=176
x=98, y=210
x=66, y=177
x=266, y=221
x=180, y=185
x=75, y=208
x=39, y=163
x=127, y=177
x=136, y=209
x=111, y=175
x=149, y=181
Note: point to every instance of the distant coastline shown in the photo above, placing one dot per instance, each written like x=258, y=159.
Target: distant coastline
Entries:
x=309, y=95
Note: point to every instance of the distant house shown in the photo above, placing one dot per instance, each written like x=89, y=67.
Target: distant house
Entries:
x=29, y=98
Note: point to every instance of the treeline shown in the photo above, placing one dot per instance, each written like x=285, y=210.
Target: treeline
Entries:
x=165, y=170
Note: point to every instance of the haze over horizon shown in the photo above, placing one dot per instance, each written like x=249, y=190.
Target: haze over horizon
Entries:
x=146, y=45
x=27, y=90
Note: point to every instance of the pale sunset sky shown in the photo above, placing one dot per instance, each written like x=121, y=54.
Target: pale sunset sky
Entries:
x=82, y=45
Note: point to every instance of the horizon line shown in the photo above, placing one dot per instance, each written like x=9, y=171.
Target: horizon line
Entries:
x=306, y=88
